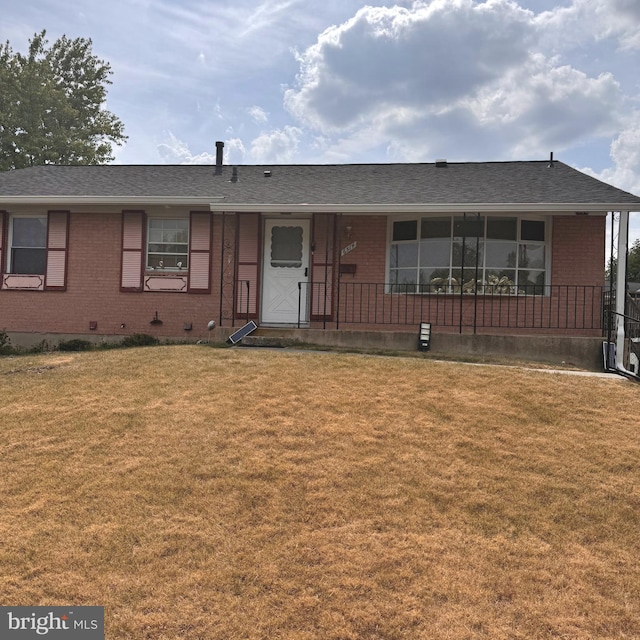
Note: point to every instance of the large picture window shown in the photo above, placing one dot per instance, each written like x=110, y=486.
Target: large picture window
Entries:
x=168, y=244
x=28, y=245
x=469, y=254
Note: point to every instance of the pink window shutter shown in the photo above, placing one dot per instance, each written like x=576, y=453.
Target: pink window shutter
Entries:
x=247, y=273
x=132, y=250
x=200, y=252
x=57, y=245
x=322, y=271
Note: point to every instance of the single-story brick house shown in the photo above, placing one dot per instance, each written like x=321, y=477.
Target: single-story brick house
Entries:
x=488, y=247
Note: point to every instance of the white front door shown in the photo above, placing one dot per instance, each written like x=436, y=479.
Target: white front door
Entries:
x=285, y=264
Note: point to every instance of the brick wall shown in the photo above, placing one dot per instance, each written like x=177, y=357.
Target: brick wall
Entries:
x=577, y=258
x=93, y=284
x=93, y=291
x=577, y=252
x=369, y=256
x=577, y=249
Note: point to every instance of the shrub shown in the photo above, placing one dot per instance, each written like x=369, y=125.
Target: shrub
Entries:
x=40, y=347
x=107, y=344
x=139, y=340
x=74, y=345
x=5, y=343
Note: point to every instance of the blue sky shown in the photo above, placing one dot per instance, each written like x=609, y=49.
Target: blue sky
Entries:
x=298, y=81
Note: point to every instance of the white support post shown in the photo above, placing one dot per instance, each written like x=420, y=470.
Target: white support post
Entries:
x=621, y=291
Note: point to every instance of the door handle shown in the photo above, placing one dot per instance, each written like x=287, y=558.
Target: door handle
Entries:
x=306, y=272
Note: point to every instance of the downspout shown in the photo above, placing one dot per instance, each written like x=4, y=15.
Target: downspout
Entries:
x=621, y=288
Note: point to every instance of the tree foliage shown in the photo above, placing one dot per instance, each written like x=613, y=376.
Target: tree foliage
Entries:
x=633, y=264
x=52, y=105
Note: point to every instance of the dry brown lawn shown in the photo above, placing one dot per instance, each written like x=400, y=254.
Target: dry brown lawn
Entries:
x=225, y=493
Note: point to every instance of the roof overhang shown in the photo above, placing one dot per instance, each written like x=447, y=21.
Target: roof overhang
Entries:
x=219, y=205
x=120, y=201
x=399, y=209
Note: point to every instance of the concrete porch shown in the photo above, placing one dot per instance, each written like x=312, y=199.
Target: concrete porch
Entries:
x=584, y=352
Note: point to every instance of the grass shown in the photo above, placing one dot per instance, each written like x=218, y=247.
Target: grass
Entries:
x=204, y=493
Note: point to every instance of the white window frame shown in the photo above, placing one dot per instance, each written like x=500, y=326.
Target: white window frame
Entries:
x=184, y=268
x=11, y=246
x=482, y=268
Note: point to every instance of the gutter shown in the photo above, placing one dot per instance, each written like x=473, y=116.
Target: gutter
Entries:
x=219, y=204
x=135, y=201
x=475, y=207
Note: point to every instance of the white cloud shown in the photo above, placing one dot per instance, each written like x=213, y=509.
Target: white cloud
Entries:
x=234, y=151
x=258, y=114
x=625, y=155
x=585, y=20
x=266, y=14
x=625, y=171
x=277, y=146
x=448, y=75
x=244, y=34
x=541, y=106
x=426, y=57
x=622, y=19
x=175, y=151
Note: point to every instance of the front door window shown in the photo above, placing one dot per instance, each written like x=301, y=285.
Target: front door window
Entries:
x=286, y=247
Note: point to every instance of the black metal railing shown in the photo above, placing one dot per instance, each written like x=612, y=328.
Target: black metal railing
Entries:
x=563, y=307
x=631, y=314
x=632, y=328
x=243, y=302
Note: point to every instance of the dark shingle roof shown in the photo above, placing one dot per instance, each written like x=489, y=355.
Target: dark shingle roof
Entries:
x=381, y=184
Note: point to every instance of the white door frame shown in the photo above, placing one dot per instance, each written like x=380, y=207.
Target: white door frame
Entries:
x=280, y=293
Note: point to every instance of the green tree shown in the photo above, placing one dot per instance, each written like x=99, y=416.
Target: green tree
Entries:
x=633, y=264
x=52, y=105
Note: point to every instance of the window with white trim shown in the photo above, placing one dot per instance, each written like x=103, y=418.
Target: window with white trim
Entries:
x=168, y=244
x=472, y=253
x=28, y=245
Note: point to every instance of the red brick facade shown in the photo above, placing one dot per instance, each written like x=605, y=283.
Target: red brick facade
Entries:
x=577, y=250
x=93, y=296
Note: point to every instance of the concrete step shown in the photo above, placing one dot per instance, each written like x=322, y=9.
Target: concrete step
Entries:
x=271, y=341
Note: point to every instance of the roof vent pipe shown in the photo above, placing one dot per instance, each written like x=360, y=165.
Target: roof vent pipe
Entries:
x=219, y=154
x=550, y=165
